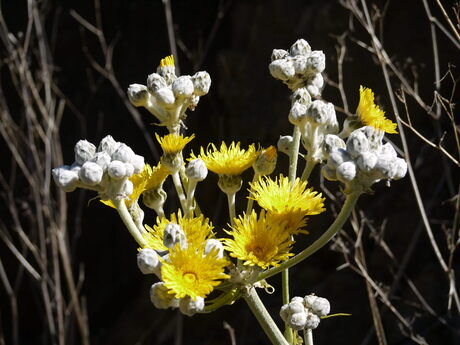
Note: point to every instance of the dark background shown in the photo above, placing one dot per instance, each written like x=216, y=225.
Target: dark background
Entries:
x=233, y=40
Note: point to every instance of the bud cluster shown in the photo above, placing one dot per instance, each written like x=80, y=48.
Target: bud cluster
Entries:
x=105, y=169
x=304, y=313
x=362, y=161
x=299, y=67
x=167, y=96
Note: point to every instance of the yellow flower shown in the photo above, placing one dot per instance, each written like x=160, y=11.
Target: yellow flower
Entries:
x=167, y=61
x=173, y=143
x=147, y=179
x=190, y=272
x=370, y=114
x=287, y=201
x=259, y=241
x=196, y=229
x=227, y=160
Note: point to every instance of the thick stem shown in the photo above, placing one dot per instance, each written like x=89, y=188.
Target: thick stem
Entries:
x=179, y=190
x=128, y=221
x=308, y=337
x=308, y=169
x=294, y=154
x=285, y=297
x=265, y=320
x=320, y=242
x=190, y=197
x=231, y=206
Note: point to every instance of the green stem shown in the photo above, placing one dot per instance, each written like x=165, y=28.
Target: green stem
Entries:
x=179, y=190
x=308, y=337
x=294, y=154
x=251, y=201
x=285, y=297
x=265, y=320
x=190, y=197
x=350, y=202
x=128, y=221
x=308, y=169
x=231, y=206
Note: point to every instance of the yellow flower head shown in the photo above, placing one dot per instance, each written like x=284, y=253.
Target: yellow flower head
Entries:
x=167, y=61
x=370, y=114
x=190, y=272
x=173, y=143
x=196, y=229
x=259, y=241
x=287, y=201
x=227, y=160
x=147, y=179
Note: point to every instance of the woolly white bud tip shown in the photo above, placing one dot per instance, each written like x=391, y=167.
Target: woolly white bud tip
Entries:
x=318, y=305
x=129, y=169
x=138, y=163
x=202, y=82
x=173, y=234
x=102, y=159
x=316, y=61
x=155, y=82
x=282, y=69
x=357, y=143
x=214, y=245
x=182, y=87
x=401, y=169
x=161, y=298
x=296, y=306
x=302, y=96
x=65, y=178
x=84, y=151
x=366, y=161
x=297, y=321
x=300, y=47
x=297, y=114
x=196, y=170
x=126, y=188
x=386, y=166
x=337, y=157
x=388, y=150
x=124, y=154
x=346, y=172
x=332, y=142
x=313, y=321
x=138, y=94
x=165, y=97
x=189, y=307
x=108, y=145
x=284, y=312
x=117, y=170
x=91, y=173
x=278, y=54
x=321, y=112
x=284, y=144
x=148, y=262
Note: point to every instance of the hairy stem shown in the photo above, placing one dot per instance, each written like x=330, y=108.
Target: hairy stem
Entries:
x=128, y=221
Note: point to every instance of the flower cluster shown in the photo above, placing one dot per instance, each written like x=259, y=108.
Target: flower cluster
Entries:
x=305, y=313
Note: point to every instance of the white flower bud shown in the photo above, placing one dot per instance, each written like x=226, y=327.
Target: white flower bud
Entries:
x=138, y=94
x=337, y=157
x=300, y=47
x=386, y=166
x=155, y=82
x=129, y=169
x=117, y=170
x=401, y=169
x=202, y=82
x=138, y=163
x=161, y=298
x=84, y=151
x=388, y=150
x=374, y=136
x=366, y=161
x=313, y=321
x=102, y=159
x=126, y=188
x=189, y=307
x=296, y=306
x=329, y=173
x=300, y=64
x=346, y=172
x=284, y=312
x=357, y=143
x=284, y=144
x=318, y=305
x=282, y=69
x=316, y=61
x=196, y=170
x=321, y=112
x=297, y=321
x=91, y=173
x=302, y=96
x=297, y=299
x=164, y=97
x=123, y=153
x=65, y=178
x=173, y=234
x=108, y=145
x=214, y=245
x=332, y=142
x=317, y=81
x=278, y=54
x=297, y=114
x=182, y=87
x=266, y=161
x=148, y=262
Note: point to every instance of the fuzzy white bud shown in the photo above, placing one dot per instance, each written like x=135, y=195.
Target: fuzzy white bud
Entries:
x=312, y=321
x=164, y=97
x=161, y=298
x=214, y=245
x=346, y=171
x=196, y=170
x=123, y=153
x=138, y=163
x=102, y=159
x=318, y=305
x=189, y=307
x=202, y=82
x=173, y=234
x=148, y=261
x=138, y=94
x=84, y=151
x=357, y=143
x=182, y=87
x=278, y=54
x=91, y=173
x=297, y=114
x=285, y=143
x=316, y=61
x=65, y=178
x=297, y=321
x=401, y=169
x=155, y=82
x=282, y=69
x=321, y=112
x=117, y=170
x=108, y=145
x=366, y=161
x=300, y=47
